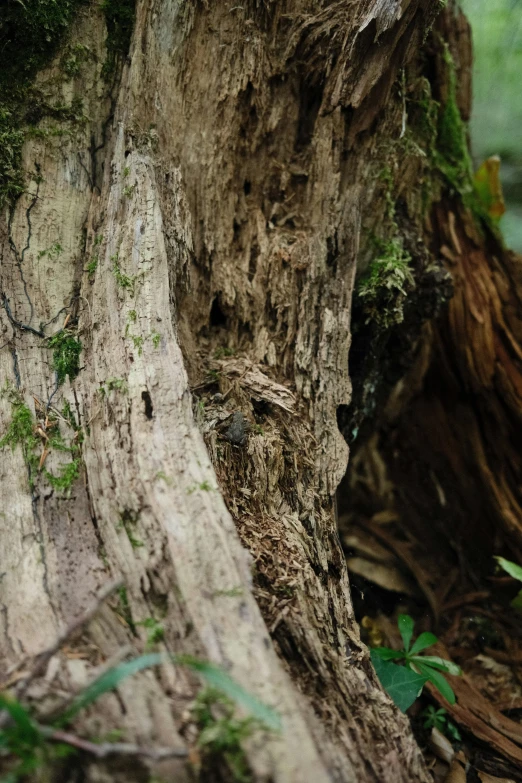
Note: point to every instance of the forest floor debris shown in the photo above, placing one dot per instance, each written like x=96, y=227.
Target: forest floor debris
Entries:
x=392, y=573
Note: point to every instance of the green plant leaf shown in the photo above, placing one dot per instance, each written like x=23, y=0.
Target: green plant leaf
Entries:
x=434, y=718
x=511, y=568
x=400, y=683
x=406, y=624
x=438, y=680
x=215, y=677
x=21, y=717
x=219, y=679
x=516, y=603
x=426, y=639
x=452, y=731
x=108, y=681
x=387, y=654
x=438, y=663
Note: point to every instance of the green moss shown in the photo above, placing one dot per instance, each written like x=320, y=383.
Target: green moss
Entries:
x=53, y=131
x=119, y=17
x=22, y=431
x=66, y=354
x=133, y=541
x=69, y=416
x=21, y=427
x=65, y=112
x=452, y=154
x=137, y=341
x=383, y=289
x=31, y=32
x=57, y=443
x=52, y=252
x=11, y=141
x=91, y=268
x=122, y=280
x=441, y=133
x=114, y=384
x=73, y=58
x=204, y=486
x=68, y=475
x=424, y=117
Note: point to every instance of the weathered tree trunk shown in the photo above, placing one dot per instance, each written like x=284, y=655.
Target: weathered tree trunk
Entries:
x=199, y=224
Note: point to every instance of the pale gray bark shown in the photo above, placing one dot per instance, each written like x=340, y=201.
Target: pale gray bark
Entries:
x=228, y=185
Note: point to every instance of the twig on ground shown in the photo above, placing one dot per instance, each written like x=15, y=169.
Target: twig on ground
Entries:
x=104, y=749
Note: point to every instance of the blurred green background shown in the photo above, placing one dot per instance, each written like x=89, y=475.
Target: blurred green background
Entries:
x=496, y=123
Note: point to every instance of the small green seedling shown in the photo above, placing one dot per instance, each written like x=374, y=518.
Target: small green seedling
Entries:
x=438, y=719
x=155, y=631
x=222, y=733
x=515, y=571
x=404, y=683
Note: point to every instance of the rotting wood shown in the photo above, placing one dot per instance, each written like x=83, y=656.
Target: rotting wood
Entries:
x=232, y=178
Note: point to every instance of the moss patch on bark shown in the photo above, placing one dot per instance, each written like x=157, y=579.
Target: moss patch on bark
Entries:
x=30, y=34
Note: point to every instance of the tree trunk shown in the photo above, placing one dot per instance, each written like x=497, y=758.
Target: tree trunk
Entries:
x=444, y=423
x=194, y=214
